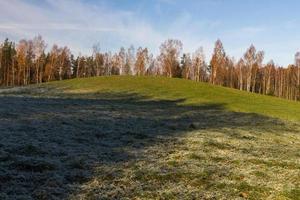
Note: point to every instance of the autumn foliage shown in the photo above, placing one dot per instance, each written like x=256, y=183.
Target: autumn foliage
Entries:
x=30, y=62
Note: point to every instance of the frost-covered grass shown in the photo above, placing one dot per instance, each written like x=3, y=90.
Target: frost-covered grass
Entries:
x=146, y=138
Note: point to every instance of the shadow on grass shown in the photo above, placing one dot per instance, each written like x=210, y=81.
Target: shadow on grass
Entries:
x=50, y=147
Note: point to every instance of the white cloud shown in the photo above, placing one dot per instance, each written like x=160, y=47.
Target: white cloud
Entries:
x=79, y=25
x=75, y=23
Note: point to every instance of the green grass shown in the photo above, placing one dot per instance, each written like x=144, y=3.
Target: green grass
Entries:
x=193, y=93
x=124, y=137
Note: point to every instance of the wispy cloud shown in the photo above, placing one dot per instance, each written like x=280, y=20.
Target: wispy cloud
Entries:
x=244, y=32
x=79, y=25
x=74, y=23
x=114, y=23
x=55, y=26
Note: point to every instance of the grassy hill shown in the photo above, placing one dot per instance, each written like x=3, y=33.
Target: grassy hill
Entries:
x=147, y=138
x=191, y=92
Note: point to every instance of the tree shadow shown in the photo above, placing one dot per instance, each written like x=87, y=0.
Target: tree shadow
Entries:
x=50, y=147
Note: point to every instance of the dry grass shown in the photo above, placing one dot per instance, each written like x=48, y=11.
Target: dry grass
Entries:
x=128, y=146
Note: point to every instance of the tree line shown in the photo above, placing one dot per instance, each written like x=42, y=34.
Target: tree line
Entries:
x=27, y=62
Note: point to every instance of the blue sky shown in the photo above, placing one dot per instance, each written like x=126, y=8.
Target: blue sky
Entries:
x=272, y=26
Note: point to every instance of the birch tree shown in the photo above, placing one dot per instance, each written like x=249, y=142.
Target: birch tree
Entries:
x=217, y=63
x=169, y=57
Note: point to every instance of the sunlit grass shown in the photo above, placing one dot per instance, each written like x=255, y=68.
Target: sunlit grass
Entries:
x=148, y=138
x=192, y=92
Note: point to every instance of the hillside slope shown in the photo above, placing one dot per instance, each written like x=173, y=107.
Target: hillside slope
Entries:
x=146, y=138
x=192, y=93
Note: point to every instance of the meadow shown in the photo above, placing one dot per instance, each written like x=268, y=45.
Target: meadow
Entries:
x=124, y=137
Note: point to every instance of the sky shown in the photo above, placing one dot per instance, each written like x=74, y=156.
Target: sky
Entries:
x=270, y=25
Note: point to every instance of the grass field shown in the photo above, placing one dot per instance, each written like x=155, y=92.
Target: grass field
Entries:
x=146, y=138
